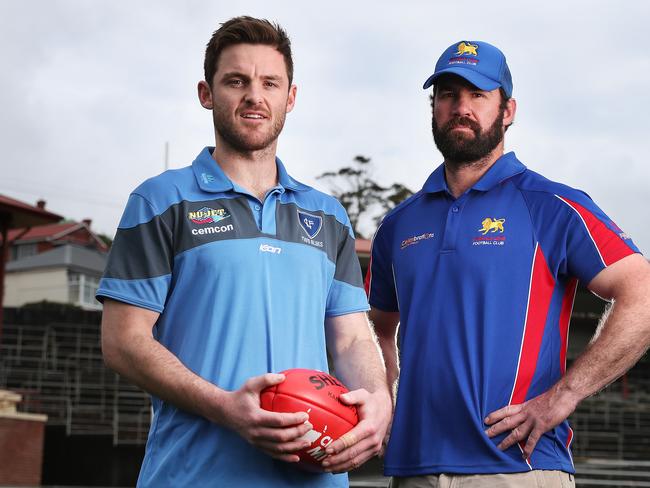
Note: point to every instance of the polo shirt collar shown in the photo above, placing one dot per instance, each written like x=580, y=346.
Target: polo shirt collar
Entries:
x=210, y=177
x=436, y=181
x=503, y=168
x=287, y=181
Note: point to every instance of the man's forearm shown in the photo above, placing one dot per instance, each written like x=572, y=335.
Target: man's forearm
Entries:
x=355, y=353
x=129, y=348
x=388, y=347
x=621, y=339
x=360, y=366
x=358, y=363
x=152, y=367
x=385, y=325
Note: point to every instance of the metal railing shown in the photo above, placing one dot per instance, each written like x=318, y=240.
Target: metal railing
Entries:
x=59, y=370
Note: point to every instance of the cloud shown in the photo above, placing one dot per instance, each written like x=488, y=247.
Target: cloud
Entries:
x=95, y=89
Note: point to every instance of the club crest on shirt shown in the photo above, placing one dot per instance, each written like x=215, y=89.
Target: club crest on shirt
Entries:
x=494, y=227
x=207, y=215
x=311, y=224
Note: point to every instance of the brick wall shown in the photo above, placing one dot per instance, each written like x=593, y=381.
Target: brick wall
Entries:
x=21, y=450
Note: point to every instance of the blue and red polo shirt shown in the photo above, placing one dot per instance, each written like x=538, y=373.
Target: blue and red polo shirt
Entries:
x=484, y=285
x=243, y=288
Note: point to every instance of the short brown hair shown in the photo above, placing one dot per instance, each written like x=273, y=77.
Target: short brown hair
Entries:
x=246, y=30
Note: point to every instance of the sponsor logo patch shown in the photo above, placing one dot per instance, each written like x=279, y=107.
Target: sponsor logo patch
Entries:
x=491, y=226
x=216, y=229
x=416, y=239
x=207, y=215
x=207, y=178
x=619, y=231
x=269, y=248
x=317, y=451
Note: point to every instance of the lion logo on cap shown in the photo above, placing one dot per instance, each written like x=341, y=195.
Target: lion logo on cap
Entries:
x=466, y=48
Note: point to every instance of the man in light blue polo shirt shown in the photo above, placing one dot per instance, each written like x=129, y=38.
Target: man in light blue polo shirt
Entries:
x=227, y=271
x=480, y=270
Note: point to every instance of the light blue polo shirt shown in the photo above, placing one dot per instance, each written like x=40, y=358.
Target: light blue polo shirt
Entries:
x=243, y=288
x=484, y=285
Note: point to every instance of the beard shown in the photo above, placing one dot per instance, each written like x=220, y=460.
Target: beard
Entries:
x=246, y=140
x=462, y=149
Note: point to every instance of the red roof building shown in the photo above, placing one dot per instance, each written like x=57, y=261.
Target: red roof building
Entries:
x=14, y=214
x=42, y=238
x=47, y=258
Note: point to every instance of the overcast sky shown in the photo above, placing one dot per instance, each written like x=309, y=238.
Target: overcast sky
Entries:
x=90, y=91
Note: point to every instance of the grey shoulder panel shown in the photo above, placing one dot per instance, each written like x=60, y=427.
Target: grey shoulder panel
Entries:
x=323, y=232
x=348, y=268
x=148, y=250
x=141, y=252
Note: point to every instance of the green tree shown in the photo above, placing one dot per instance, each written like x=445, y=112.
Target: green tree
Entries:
x=106, y=240
x=365, y=200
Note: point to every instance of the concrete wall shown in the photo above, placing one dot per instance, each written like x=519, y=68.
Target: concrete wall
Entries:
x=33, y=286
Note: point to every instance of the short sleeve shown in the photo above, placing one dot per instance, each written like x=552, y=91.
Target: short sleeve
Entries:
x=380, y=283
x=594, y=241
x=138, y=271
x=346, y=294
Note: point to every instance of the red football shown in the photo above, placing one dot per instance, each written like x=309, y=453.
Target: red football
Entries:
x=317, y=393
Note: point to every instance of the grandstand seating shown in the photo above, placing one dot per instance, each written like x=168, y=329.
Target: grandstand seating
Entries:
x=59, y=370
x=615, y=423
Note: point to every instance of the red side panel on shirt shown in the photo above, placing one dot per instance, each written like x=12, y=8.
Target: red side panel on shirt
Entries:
x=569, y=438
x=539, y=300
x=368, y=279
x=610, y=246
x=565, y=318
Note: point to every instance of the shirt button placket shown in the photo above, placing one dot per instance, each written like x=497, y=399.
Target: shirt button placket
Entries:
x=267, y=214
x=257, y=208
x=453, y=224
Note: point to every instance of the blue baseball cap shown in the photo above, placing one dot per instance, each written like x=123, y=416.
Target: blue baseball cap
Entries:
x=480, y=63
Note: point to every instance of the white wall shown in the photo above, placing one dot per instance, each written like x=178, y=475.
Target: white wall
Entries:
x=33, y=286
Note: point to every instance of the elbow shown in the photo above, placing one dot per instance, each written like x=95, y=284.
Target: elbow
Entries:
x=110, y=353
x=125, y=332
x=115, y=347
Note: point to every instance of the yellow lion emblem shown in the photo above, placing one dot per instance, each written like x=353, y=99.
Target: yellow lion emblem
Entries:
x=492, y=225
x=466, y=48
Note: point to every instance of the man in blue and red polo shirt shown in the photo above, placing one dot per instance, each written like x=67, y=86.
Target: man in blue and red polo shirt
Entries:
x=480, y=270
